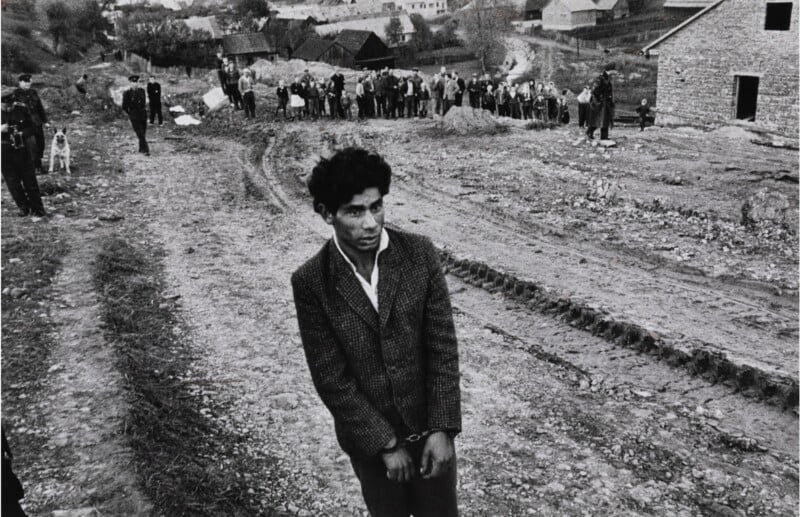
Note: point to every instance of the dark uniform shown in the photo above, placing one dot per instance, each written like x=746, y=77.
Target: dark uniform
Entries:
x=154, y=97
x=134, y=104
x=30, y=98
x=17, y=165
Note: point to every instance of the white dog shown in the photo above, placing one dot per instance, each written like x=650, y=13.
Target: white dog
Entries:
x=60, y=149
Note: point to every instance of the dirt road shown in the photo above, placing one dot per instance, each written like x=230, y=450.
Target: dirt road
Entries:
x=556, y=421
x=600, y=431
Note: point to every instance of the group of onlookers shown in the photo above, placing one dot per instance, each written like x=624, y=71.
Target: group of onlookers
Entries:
x=389, y=95
x=385, y=94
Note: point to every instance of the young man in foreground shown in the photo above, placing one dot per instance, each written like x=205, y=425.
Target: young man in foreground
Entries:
x=377, y=329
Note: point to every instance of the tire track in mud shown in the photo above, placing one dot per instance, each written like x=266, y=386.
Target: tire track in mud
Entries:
x=695, y=355
x=536, y=440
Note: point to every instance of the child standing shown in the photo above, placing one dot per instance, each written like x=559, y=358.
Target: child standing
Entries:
x=643, y=110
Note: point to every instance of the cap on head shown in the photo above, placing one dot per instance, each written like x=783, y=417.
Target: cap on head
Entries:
x=25, y=78
x=133, y=78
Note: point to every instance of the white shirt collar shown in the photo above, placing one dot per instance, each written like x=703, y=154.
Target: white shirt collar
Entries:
x=371, y=287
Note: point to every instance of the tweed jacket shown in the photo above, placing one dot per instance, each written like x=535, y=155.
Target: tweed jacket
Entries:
x=386, y=374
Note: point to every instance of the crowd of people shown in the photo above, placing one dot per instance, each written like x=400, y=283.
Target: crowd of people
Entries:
x=389, y=95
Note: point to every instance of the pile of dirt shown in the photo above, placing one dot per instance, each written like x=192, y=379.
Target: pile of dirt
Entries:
x=765, y=205
x=463, y=120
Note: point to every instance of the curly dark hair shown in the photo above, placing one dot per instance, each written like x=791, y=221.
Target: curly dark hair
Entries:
x=334, y=181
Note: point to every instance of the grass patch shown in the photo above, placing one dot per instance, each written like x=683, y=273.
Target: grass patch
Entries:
x=31, y=258
x=187, y=462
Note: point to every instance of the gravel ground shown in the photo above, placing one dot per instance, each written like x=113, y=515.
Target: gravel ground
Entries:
x=551, y=427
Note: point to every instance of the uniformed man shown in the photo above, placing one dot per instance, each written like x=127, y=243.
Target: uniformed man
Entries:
x=17, y=165
x=30, y=98
x=134, y=104
x=154, y=97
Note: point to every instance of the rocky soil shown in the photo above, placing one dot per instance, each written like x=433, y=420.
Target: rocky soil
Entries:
x=557, y=421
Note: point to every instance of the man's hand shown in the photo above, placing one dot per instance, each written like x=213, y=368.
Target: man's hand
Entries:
x=437, y=456
x=399, y=465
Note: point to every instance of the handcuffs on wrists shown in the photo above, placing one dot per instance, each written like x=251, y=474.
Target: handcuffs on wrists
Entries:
x=413, y=438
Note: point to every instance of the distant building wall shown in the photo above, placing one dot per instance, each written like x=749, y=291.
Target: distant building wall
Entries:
x=699, y=64
x=557, y=16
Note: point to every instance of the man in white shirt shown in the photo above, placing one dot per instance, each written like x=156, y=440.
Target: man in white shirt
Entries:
x=583, y=105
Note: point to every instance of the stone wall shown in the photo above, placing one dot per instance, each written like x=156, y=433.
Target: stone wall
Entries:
x=698, y=64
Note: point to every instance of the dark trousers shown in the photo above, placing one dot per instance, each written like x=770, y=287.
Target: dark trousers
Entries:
x=36, y=151
x=380, y=101
x=459, y=98
x=369, y=101
x=223, y=81
x=391, y=109
x=336, y=109
x=362, y=107
x=603, y=132
x=155, y=110
x=21, y=179
x=140, y=128
x=235, y=96
x=249, y=102
x=642, y=122
x=421, y=497
x=409, y=102
x=583, y=114
x=281, y=106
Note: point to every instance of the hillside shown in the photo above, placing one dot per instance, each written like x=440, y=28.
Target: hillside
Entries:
x=25, y=46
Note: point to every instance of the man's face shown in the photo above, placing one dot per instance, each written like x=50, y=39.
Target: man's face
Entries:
x=24, y=85
x=359, y=222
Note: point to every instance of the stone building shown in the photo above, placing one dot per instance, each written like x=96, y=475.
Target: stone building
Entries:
x=736, y=60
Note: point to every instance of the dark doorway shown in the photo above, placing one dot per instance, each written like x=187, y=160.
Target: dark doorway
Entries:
x=746, y=97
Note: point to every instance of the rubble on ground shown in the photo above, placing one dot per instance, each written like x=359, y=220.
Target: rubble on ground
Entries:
x=765, y=205
x=464, y=120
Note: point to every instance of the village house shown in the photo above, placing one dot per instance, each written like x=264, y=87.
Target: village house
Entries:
x=572, y=14
x=685, y=7
x=245, y=48
x=532, y=9
x=323, y=13
x=205, y=23
x=367, y=49
x=608, y=10
x=569, y=14
x=376, y=25
x=324, y=50
x=736, y=60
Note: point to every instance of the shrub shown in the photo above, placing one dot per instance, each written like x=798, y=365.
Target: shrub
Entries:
x=18, y=59
x=22, y=30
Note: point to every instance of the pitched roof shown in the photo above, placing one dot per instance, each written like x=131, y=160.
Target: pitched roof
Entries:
x=312, y=49
x=247, y=43
x=535, y=5
x=376, y=25
x=205, y=23
x=689, y=21
x=575, y=6
x=606, y=5
x=353, y=40
x=331, y=13
x=687, y=4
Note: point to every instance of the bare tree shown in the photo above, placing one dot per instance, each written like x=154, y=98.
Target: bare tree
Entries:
x=394, y=30
x=485, y=24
